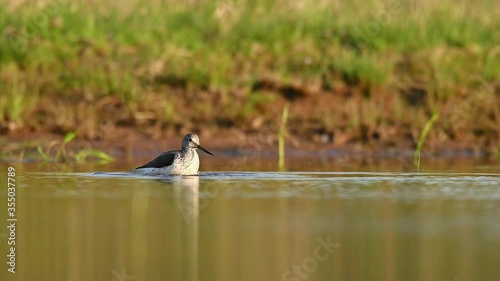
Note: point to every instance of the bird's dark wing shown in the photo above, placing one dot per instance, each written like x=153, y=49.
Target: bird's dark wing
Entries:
x=165, y=159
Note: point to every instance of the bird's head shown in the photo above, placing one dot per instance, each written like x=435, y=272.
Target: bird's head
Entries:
x=192, y=141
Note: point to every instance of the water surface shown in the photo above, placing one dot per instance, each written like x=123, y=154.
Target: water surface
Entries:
x=359, y=223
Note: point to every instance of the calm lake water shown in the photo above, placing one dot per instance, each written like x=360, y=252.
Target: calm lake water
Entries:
x=338, y=221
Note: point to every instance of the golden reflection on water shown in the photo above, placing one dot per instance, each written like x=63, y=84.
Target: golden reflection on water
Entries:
x=192, y=228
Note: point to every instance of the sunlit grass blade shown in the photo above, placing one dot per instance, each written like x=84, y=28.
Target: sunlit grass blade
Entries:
x=44, y=155
x=423, y=137
x=84, y=154
x=69, y=137
x=281, y=138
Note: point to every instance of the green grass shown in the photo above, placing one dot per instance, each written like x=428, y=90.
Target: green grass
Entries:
x=75, y=53
x=282, y=137
x=421, y=140
x=213, y=46
x=58, y=152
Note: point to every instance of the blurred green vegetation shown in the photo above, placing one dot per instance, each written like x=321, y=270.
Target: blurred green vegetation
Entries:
x=68, y=65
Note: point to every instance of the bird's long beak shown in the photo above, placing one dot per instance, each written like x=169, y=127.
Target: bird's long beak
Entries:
x=204, y=150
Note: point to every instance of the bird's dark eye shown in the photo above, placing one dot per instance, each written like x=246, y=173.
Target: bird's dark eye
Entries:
x=190, y=139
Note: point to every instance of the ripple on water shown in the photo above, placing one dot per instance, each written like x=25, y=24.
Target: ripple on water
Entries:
x=317, y=185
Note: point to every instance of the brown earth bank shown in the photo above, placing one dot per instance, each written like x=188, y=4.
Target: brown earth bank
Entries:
x=321, y=118
x=133, y=143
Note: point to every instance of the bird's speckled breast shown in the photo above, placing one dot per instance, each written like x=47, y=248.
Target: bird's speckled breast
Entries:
x=187, y=164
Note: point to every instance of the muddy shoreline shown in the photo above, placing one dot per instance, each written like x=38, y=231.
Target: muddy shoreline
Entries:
x=130, y=143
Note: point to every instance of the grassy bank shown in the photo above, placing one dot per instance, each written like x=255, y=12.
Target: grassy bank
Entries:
x=368, y=72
